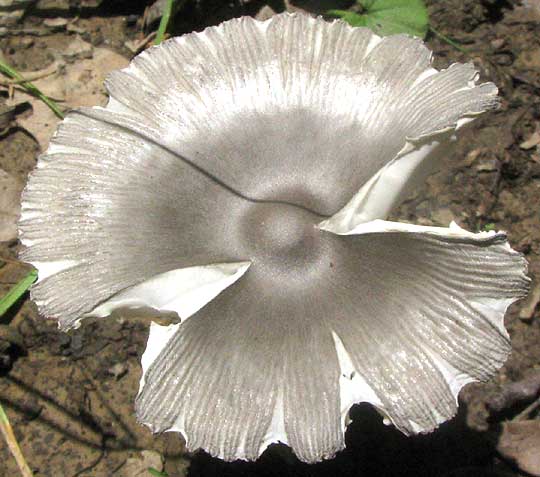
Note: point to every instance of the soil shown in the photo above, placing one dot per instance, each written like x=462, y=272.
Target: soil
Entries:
x=70, y=396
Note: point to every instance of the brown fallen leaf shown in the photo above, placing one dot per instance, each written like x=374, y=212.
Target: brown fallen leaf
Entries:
x=77, y=84
x=529, y=305
x=153, y=13
x=48, y=7
x=532, y=141
x=516, y=392
x=11, y=11
x=10, y=206
x=58, y=23
x=520, y=443
x=73, y=28
x=525, y=11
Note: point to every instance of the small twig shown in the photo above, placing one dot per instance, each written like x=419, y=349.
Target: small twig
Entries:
x=9, y=435
x=527, y=411
x=137, y=46
x=163, y=24
x=31, y=76
x=24, y=32
x=30, y=87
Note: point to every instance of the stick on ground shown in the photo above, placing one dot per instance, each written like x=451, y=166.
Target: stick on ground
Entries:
x=9, y=436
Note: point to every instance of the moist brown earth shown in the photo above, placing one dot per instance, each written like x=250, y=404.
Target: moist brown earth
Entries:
x=70, y=396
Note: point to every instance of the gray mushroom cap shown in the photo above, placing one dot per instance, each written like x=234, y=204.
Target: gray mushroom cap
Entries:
x=241, y=177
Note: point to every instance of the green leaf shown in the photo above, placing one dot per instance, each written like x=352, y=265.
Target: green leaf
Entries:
x=389, y=17
x=352, y=18
x=157, y=473
x=17, y=291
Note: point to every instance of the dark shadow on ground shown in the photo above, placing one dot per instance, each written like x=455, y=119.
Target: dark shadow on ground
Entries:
x=373, y=450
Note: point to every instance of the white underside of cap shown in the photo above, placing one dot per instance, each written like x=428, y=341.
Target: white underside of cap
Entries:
x=183, y=291
x=382, y=226
x=417, y=159
x=158, y=338
x=387, y=188
x=353, y=388
x=276, y=430
x=495, y=310
x=455, y=378
x=46, y=269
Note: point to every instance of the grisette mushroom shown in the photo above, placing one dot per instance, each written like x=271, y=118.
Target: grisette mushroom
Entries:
x=241, y=177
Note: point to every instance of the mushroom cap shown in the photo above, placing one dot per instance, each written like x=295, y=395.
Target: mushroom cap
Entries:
x=241, y=177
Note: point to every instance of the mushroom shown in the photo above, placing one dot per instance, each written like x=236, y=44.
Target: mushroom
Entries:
x=241, y=177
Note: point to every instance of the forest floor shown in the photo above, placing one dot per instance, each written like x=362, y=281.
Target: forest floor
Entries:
x=70, y=396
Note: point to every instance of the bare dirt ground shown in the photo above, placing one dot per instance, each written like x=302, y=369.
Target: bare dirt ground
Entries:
x=70, y=396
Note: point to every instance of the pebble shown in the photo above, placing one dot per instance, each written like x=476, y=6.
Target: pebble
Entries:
x=519, y=442
x=55, y=23
x=490, y=165
x=498, y=43
x=118, y=370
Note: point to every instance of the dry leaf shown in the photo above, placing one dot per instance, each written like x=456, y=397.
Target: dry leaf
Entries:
x=11, y=11
x=58, y=23
x=528, y=306
x=515, y=392
x=520, y=442
x=10, y=206
x=533, y=141
x=80, y=84
x=526, y=11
